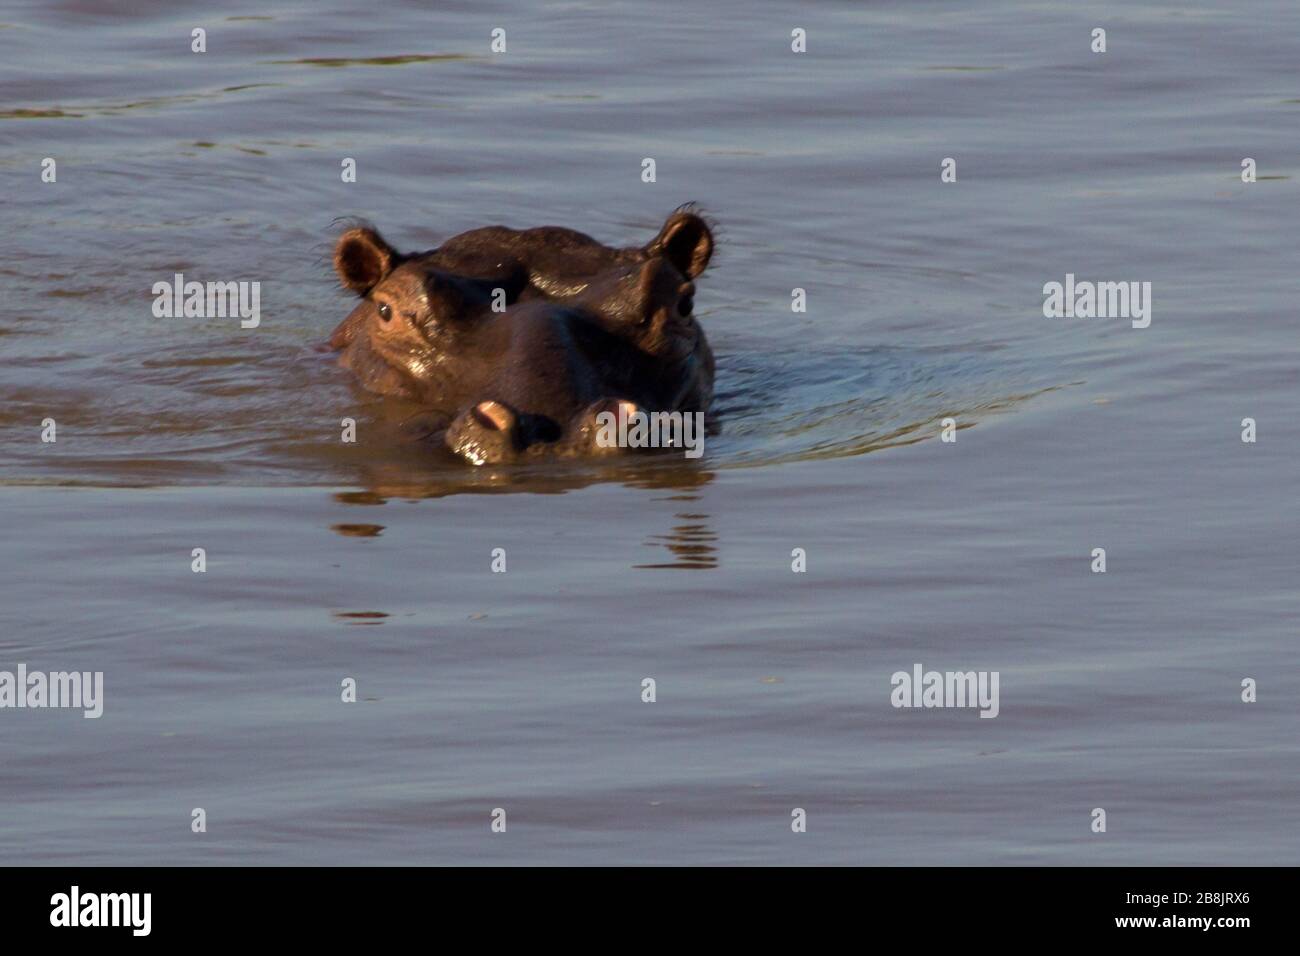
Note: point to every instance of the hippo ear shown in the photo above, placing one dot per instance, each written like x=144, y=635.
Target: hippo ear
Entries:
x=686, y=241
x=362, y=258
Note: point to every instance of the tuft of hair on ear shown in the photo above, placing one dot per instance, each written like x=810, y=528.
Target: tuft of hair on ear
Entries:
x=322, y=252
x=362, y=257
x=690, y=251
x=715, y=228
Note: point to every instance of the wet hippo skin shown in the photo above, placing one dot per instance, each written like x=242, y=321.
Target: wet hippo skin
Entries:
x=524, y=336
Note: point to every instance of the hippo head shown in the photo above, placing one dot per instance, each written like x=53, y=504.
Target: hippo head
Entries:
x=430, y=327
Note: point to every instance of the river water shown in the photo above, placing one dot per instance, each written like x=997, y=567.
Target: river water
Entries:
x=523, y=690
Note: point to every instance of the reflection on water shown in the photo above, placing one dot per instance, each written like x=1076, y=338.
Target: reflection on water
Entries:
x=431, y=475
x=691, y=542
x=400, y=60
x=361, y=617
x=359, y=498
x=358, y=530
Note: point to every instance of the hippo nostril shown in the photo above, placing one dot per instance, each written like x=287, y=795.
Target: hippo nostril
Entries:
x=492, y=415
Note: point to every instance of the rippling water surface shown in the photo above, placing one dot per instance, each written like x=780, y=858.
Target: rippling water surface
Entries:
x=523, y=690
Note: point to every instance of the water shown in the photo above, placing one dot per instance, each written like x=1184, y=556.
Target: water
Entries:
x=522, y=690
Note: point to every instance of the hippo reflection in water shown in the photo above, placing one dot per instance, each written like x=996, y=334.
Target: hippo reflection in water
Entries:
x=524, y=337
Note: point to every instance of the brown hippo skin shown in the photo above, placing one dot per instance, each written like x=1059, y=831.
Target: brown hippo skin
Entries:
x=585, y=328
x=548, y=262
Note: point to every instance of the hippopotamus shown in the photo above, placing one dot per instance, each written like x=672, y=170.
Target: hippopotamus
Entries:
x=524, y=337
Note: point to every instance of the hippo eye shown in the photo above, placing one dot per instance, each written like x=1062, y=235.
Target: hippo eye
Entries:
x=385, y=312
x=685, y=306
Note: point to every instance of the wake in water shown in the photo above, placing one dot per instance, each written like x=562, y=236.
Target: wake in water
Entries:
x=236, y=415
